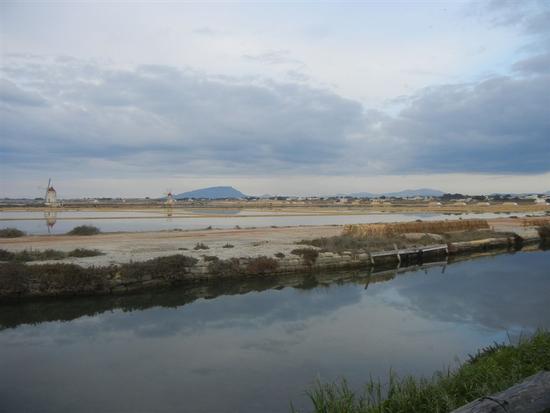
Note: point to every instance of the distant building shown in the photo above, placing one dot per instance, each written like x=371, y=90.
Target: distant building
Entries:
x=50, y=198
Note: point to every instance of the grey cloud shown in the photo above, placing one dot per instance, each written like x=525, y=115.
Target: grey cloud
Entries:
x=11, y=94
x=274, y=57
x=498, y=125
x=161, y=119
x=539, y=64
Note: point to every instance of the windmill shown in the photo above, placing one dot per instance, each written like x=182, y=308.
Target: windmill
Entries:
x=50, y=198
x=170, y=200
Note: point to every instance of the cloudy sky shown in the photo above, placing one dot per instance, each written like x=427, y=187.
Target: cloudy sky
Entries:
x=132, y=99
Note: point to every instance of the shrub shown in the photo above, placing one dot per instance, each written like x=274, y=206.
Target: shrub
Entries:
x=49, y=254
x=262, y=265
x=280, y=255
x=225, y=268
x=170, y=267
x=6, y=255
x=11, y=233
x=228, y=246
x=544, y=231
x=84, y=230
x=83, y=252
x=309, y=255
x=201, y=246
x=210, y=258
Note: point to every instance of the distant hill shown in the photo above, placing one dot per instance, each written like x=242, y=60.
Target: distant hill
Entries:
x=213, y=192
x=360, y=195
x=416, y=192
x=400, y=194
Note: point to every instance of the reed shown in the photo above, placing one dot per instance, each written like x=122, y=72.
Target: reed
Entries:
x=435, y=227
x=491, y=370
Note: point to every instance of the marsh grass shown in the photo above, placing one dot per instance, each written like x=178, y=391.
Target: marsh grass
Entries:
x=46, y=255
x=434, y=227
x=341, y=243
x=490, y=370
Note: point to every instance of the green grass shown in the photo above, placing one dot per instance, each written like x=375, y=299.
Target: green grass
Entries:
x=84, y=230
x=45, y=255
x=491, y=370
x=11, y=233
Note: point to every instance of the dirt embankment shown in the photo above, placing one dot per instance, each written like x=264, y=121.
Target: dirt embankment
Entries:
x=138, y=261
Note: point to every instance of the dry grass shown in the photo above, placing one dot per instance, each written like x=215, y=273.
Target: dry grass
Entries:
x=535, y=222
x=435, y=227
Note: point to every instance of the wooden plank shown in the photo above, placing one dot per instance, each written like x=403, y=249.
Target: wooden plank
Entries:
x=530, y=396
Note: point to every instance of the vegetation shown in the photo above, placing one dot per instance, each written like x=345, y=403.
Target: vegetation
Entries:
x=341, y=243
x=228, y=245
x=544, y=232
x=84, y=230
x=434, y=227
x=45, y=255
x=232, y=266
x=280, y=255
x=201, y=246
x=11, y=233
x=309, y=255
x=17, y=278
x=491, y=370
x=460, y=236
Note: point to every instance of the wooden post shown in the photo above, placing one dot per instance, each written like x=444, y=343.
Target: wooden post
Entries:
x=532, y=395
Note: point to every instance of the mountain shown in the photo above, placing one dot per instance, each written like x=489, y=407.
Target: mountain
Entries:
x=400, y=194
x=416, y=192
x=213, y=192
x=361, y=195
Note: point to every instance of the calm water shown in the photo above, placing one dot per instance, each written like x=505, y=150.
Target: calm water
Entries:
x=254, y=347
x=62, y=222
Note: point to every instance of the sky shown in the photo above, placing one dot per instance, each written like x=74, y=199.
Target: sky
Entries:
x=294, y=98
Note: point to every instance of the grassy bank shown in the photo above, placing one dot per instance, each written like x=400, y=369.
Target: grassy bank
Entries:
x=491, y=370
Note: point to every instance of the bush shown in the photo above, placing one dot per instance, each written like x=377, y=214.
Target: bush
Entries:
x=225, y=268
x=6, y=255
x=83, y=252
x=544, y=231
x=228, y=246
x=11, y=233
x=309, y=255
x=280, y=255
x=84, y=230
x=201, y=246
x=262, y=265
x=49, y=254
x=170, y=267
x=210, y=258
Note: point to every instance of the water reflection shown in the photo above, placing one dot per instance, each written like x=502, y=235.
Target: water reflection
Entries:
x=50, y=216
x=255, y=345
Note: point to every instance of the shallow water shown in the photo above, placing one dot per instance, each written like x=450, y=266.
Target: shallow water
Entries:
x=155, y=220
x=255, y=346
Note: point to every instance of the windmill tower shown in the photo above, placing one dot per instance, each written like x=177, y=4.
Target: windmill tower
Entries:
x=170, y=201
x=50, y=199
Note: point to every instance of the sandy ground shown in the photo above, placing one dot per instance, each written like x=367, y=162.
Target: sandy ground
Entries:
x=139, y=246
